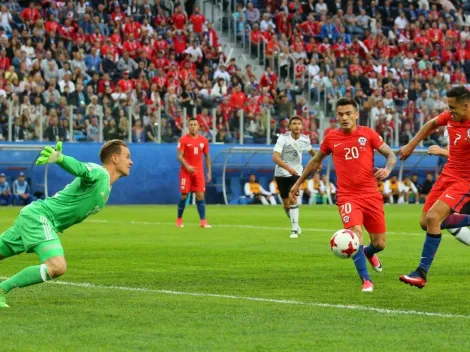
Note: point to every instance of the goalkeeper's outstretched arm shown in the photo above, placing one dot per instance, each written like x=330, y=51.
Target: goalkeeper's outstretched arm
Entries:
x=69, y=164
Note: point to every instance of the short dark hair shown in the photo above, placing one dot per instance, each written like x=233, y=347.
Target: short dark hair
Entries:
x=293, y=118
x=111, y=147
x=460, y=93
x=193, y=119
x=345, y=102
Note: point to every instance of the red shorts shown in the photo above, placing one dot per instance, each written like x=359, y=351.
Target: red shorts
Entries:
x=453, y=191
x=192, y=182
x=367, y=211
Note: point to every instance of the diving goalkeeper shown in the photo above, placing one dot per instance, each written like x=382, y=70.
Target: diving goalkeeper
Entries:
x=35, y=229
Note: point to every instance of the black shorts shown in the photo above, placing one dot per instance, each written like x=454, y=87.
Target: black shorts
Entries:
x=284, y=184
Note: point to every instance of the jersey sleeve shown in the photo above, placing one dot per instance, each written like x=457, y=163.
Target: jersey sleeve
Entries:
x=308, y=147
x=444, y=118
x=279, y=144
x=375, y=139
x=181, y=144
x=206, y=146
x=325, y=146
x=89, y=172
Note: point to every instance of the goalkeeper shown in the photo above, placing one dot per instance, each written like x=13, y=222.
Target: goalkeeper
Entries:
x=35, y=229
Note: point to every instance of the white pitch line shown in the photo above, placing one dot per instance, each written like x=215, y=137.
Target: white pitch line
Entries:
x=240, y=226
x=268, y=300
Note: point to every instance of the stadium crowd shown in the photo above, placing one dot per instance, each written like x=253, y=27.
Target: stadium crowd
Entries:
x=65, y=66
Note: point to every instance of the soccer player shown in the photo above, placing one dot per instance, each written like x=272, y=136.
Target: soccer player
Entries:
x=450, y=192
x=288, y=158
x=461, y=234
x=36, y=228
x=191, y=148
x=359, y=202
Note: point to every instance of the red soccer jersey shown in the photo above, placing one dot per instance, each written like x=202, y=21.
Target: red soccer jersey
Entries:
x=193, y=149
x=353, y=158
x=458, y=165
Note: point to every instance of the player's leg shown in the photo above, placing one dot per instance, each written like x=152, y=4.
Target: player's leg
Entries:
x=291, y=206
x=38, y=235
x=352, y=218
x=457, y=223
x=374, y=222
x=360, y=261
x=185, y=187
x=199, y=187
x=434, y=217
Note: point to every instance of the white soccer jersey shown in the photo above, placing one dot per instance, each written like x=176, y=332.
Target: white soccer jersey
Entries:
x=291, y=152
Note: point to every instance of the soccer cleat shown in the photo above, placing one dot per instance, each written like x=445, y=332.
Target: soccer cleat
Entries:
x=179, y=222
x=294, y=234
x=3, y=299
x=413, y=279
x=375, y=263
x=204, y=224
x=367, y=286
x=299, y=230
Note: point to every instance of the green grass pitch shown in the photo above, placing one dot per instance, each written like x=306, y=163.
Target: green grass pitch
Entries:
x=137, y=283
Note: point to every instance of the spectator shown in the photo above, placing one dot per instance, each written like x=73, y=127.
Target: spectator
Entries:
x=21, y=191
x=410, y=191
x=6, y=197
x=426, y=186
x=257, y=194
x=394, y=191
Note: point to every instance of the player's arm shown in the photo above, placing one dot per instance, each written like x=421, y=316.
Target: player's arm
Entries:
x=436, y=150
x=208, y=166
x=180, y=158
x=427, y=129
x=69, y=164
x=388, y=153
x=313, y=165
x=207, y=159
x=312, y=152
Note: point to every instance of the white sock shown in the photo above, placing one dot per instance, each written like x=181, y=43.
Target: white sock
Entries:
x=272, y=200
x=463, y=235
x=300, y=197
x=264, y=201
x=294, y=217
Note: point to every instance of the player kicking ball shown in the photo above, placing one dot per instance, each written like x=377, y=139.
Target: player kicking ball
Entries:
x=191, y=148
x=36, y=227
x=359, y=201
x=287, y=155
x=450, y=193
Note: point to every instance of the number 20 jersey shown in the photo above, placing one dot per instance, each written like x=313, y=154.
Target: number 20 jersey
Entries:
x=353, y=159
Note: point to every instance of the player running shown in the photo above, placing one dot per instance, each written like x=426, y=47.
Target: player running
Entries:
x=450, y=193
x=288, y=158
x=461, y=234
x=37, y=225
x=191, y=148
x=359, y=201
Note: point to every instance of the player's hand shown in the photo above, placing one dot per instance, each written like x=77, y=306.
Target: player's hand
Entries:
x=292, y=172
x=434, y=150
x=381, y=174
x=294, y=192
x=190, y=169
x=405, y=151
x=209, y=177
x=50, y=156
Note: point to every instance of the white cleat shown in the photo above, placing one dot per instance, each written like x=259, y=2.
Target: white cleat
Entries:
x=299, y=230
x=294, y=234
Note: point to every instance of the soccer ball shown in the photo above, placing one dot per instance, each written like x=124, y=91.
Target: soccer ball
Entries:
x=344, y=243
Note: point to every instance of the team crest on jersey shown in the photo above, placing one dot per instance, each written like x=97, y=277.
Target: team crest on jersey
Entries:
x=201, y=145
x=346, y=219
x=362, y=141
x=468, y=134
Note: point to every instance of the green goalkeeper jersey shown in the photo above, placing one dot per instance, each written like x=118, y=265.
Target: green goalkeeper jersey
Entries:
x=85, y=196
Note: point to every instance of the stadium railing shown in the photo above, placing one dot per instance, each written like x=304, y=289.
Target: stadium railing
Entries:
x=233, y=165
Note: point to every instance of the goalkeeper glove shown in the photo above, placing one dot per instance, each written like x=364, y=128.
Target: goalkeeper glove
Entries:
x=50, y=156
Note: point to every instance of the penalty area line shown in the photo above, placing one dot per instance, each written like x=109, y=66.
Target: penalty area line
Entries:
x=266, y=300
